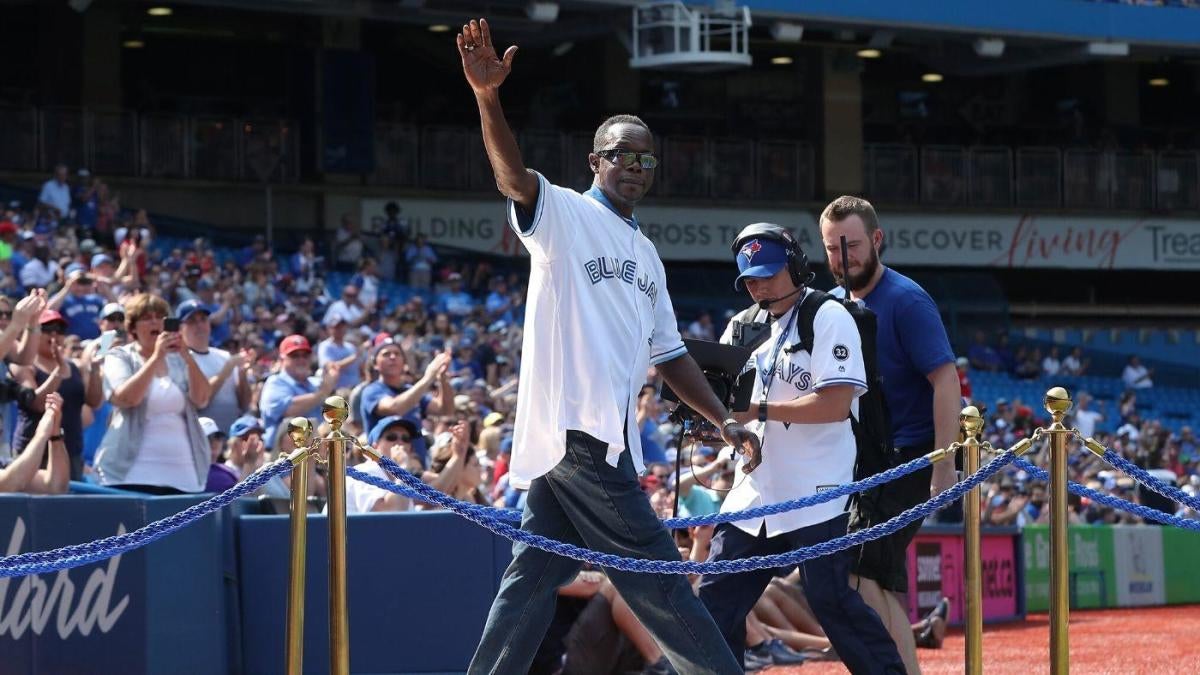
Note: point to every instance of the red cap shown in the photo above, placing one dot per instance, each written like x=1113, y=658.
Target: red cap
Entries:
x=380, y=338
x=8, y=227
x=294, y=343
x=50, y=316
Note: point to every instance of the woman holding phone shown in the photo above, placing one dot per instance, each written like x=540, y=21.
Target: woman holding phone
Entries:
x=156, y=388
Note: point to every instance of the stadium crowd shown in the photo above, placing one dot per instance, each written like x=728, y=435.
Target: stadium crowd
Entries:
x=119, y=344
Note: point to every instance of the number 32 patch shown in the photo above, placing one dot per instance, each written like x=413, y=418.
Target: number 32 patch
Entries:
x=841, y=352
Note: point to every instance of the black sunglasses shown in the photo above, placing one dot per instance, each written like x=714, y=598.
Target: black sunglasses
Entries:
x=627, y=159
x=54, y=329
x=393, y=438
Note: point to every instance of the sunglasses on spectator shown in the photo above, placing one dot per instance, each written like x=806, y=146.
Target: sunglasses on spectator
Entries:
x=397, y=438
x=54, y=329
x=115, y=317
x=5, y=314
x=627, y=159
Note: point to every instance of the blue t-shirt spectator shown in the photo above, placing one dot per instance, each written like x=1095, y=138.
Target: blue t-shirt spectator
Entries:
x=81, y=312
x=911, y=342
x=455, y=303
x=329, y=351
x=88, y=207
x=497, y=304
x=277, y=394
x=378, y=390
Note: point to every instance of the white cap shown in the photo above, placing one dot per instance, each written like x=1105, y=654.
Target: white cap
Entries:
x=209, y=426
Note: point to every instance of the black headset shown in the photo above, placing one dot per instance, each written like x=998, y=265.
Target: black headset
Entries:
x=797, y=262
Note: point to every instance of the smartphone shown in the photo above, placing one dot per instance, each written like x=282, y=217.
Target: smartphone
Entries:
x=106, y=342
x=171, y=325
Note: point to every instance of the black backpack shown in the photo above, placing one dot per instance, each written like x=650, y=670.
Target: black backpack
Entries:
x=873, y=427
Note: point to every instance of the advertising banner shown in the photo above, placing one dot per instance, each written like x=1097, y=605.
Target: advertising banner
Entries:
x=1091, y=568
x=1138, y=553
x=935, y=570
x=1181, y=550
x=122, y=615
x=935, y=239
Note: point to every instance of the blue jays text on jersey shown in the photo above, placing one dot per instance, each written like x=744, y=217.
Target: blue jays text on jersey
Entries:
x=599, y=269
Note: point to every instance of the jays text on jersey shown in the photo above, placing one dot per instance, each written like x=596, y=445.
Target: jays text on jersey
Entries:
x=597, y=316
x=802, y=459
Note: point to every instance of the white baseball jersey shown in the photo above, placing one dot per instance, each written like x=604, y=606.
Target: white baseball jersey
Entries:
x=597, y=316
x=802, y=459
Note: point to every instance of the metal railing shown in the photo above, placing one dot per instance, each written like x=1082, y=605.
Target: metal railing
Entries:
x=206, y=147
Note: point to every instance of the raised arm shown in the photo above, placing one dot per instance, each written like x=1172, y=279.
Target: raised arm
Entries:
x=485, y=72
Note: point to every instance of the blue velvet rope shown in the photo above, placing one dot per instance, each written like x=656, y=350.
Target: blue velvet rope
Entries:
x=511, y=516
x=1112, y=501
x=481, y=516
x=41, y=562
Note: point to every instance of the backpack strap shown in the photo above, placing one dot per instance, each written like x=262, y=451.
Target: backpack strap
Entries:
x=806, y=316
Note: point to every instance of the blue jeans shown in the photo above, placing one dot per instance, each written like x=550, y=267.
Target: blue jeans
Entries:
x=853, y=628
x=586, y=501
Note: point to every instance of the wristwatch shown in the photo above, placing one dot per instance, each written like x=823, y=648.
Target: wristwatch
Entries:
x=762, y=410
x=727, y=422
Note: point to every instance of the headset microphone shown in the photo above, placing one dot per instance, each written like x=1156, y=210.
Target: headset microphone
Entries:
x=766, y=303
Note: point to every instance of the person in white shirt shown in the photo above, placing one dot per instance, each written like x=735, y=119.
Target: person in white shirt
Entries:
x=1051, y=366
x=227, y=373
x=391, y=437
x=56, y=193
x=598, y=315
x=1135, y=375
x=347, y=308
x=1085, y=419
x=805, y=398
x=41, y=270
x=1074, y=363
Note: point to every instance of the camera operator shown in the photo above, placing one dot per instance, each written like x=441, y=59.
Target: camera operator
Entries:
x=53, y=371
x=801, y=405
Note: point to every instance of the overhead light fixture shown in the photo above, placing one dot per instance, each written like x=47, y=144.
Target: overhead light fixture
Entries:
x=989, y=47
x=1107, y=49
x=1158, y=82
x=931, y=77
x=781, y=60
x=160, y=11
x=133, y=44
x=869, y=53
x=786, y=31
x=439, y=28
x=542, y=12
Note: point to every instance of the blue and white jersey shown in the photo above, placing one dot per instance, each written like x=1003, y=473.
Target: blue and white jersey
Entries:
x=597, y=316
x=801, y=459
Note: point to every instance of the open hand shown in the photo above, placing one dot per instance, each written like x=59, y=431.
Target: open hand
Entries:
x=483, y=69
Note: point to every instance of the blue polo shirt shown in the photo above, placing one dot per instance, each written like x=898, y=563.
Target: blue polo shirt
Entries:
x=378, y=390
x=911, y=342
x=81, y=311
x=277, y=394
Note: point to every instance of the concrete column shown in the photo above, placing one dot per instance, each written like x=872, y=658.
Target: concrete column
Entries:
x=1121, y=87
x=101, y=57
x=841, y=148
x=622, y=84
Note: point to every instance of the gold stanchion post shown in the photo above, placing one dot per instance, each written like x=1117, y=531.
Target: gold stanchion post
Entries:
x=971, y=424
x=1058, y=403
x=335, y=410
x=300, y=430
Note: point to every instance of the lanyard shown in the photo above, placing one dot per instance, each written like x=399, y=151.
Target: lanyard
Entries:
x=765, y=375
